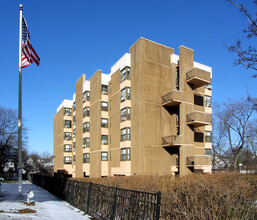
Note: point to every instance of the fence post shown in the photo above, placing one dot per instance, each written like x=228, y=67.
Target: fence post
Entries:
x=158, y=205
x=114, y=202
x=88, y=196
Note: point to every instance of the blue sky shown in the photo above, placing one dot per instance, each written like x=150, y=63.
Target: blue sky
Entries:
x=81, y=36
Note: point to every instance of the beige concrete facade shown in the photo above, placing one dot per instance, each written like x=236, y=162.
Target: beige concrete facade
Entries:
x=150, y=116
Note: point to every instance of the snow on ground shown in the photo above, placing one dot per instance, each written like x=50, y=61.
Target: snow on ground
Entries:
x=47, y=206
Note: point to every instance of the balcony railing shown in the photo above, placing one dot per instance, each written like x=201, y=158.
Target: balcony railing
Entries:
x=172, y=99
x=190, y=161
x=172, y=141
x=198, y=160
x=198, y=77
x=198, y=119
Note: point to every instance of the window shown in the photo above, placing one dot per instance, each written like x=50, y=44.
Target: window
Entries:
x=125, y=114
x=67, y=111
x=125, y=94
x=86, y=158
x=86, y=111
x=104, y=89
x=208, y=152
x=104, y=156
x=124, y=154
x=207, y=101
x=208, y=136
x=86, y=96
x=104, y=123
x=104, y=106
x=74, y=106
x=198, y=100
x=74, y=132
x=198, y=137
x=125, y=74
x=67, y=160
x=125, y=134
x=74, y=120
x=67, y=147
x=67, y=135
x=208, y=86
x=86, y=142
x=86, y=127
x=74, y=146
x=104, y=139
x=67, y=123
x=74, y=159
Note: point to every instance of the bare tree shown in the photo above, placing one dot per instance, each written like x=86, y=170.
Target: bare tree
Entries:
x=235, y=128
x=247, y=56
x=9, y=137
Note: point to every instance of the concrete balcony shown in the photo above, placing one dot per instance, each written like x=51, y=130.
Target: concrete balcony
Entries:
x=199, y=163
x=172, y=141
x=198, y=77
x=198, y=119
x=172, y=99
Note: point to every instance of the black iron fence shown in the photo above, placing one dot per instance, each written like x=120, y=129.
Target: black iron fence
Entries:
x=102, y=202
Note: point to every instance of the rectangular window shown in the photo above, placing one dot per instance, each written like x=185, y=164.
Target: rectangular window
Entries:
x=125, y=94
x=86, y=158
x=125, y=114
x=198, y=137
x=208, y=86
x=67, y=111
x=67, y=147
x=74, y=120
x=67, y=123
x=67, y=136
x=208, y=152
x=86, y=96
x=124, y=154
x=86, y=142
x=208, y=136
x=104, y=89
x=74, y=159
x=74, y=106
x=74, y=146
x=207, y=101
x=128, y=153
x=125, y=134
x=74, y=132
x=104, y=106
x=67, y=160
x=198, y=100
x=125, y=74
x=104, y=123
x=104, y=156
x=104, y=139
x=86, y=111
x=86, y=127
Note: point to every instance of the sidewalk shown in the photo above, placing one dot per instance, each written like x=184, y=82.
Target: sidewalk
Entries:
x=46, y=205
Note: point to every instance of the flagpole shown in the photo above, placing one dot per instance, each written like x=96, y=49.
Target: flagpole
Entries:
x=20, y=195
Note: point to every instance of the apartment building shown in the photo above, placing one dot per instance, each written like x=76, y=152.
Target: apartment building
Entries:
x=151, y=115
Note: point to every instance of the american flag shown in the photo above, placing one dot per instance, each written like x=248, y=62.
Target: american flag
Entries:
x=29, y=55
